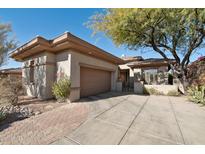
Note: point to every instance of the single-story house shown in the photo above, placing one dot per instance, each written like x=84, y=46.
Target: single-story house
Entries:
x=12, y=73
x=90, y=69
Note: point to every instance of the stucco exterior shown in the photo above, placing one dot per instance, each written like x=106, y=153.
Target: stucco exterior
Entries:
x=78, y=60
x=164, y=89
x=44, y=68
x=45, y=61
x=63, y=64
x=49, y=68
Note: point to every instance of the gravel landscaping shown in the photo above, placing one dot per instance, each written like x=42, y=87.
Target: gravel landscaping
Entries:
x=25, y=108
x=14, y=113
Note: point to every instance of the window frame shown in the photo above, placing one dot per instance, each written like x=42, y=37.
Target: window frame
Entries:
x=31, y=72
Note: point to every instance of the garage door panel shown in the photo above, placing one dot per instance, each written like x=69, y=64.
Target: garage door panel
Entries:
x=94, y=81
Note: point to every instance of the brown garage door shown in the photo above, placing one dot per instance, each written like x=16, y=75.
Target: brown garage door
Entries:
x=94, y=81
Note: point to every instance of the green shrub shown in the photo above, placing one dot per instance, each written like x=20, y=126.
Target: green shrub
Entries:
x=197, y=94
x=2, y=116
x=173, y=93
x=61, y=89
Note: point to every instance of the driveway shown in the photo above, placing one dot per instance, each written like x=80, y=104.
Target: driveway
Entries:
x=113, y=119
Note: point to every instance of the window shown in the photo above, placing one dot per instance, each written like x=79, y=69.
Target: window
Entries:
x=31, y=71
x=151, y=76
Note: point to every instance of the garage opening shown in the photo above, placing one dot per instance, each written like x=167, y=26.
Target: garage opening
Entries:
x=94, y=81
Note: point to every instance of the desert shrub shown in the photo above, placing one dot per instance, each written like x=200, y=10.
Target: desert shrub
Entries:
x=61, y=89
x=152, y=91
x=9, y=91
x=173, y=93
x=197, y=94
x=2, y=116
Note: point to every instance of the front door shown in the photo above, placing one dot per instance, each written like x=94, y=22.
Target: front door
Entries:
x=124, y=76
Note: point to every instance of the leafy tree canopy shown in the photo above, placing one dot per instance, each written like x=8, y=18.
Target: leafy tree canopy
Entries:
x=6, y=44
x=179, y=32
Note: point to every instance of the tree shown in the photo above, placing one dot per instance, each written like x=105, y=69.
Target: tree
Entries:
x=6, y=44
x=175, y=32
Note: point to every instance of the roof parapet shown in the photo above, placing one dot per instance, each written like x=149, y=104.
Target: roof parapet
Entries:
x=62, y=42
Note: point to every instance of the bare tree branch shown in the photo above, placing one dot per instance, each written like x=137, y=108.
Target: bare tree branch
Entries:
x=154, y=46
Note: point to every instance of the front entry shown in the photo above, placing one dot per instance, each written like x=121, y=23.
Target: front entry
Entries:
x=94, y=81
x=124, y=76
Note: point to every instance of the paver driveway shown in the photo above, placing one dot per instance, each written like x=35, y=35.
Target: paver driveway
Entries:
x=114, y=119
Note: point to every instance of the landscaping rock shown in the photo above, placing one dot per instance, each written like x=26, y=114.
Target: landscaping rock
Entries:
x=14, y=113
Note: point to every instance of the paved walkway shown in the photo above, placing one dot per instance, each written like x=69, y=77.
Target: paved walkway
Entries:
x=45, y=128
x=114, y=119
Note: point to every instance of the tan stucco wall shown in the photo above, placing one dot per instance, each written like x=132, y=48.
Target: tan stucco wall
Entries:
x=132, y=73
x=51, y=67
x=50, y=74
x=164, y=89
x=30, y=87
x=78, y=60
x=119, y=86
x=63, y=60
x=44, y=69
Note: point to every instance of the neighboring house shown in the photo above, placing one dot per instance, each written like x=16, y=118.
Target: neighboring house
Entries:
x=90, y=69
x=152, y=71
x=11, y=73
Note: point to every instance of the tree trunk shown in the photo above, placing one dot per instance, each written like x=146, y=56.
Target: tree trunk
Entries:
x=184, y=81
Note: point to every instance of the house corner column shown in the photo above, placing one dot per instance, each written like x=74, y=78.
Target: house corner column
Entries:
x=75, y=78
x=114, y=76
x=74, y=94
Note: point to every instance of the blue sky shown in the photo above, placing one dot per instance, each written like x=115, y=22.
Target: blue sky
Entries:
x=49, y=23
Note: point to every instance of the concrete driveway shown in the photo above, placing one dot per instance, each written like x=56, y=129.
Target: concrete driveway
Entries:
x=113, y=118
x=134, y=119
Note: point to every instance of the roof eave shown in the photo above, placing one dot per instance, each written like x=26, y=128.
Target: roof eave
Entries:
x=65, y=41
x=38, y=41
